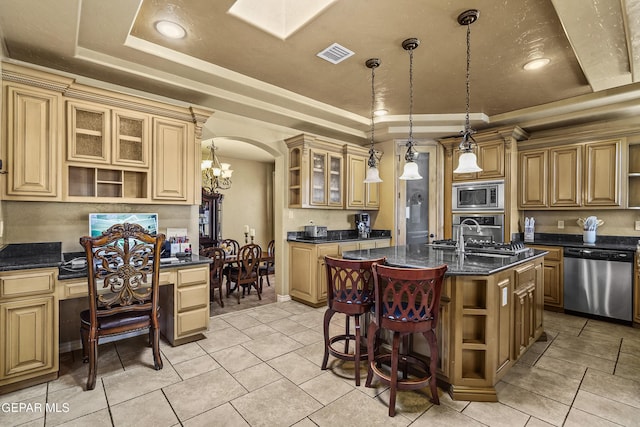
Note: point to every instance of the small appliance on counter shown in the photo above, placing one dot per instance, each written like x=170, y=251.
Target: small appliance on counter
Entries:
x=362, y=222
x=529, y=229
x=315, y=231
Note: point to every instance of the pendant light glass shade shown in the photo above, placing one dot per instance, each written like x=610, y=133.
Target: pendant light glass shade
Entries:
x=468, y=162
x=410, y=171
x=373, y=175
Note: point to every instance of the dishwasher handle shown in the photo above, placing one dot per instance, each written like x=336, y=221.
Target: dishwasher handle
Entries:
x=605, y=255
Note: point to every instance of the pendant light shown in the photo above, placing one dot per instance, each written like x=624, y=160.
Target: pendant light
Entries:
x=373, y=175
x=410, y=171
x=468, y=163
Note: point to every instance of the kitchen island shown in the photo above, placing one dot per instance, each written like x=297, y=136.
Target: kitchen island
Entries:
x=490, y=313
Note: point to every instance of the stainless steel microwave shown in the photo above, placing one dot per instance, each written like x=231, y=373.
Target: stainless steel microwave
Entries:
x=478, y=196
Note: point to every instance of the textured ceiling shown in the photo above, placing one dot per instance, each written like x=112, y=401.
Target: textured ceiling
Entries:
x=229, y=65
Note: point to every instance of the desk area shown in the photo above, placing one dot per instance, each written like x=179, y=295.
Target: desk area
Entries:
x=32, y=288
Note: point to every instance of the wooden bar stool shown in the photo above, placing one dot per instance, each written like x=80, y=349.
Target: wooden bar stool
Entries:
x=407, y=301
x=349, y=291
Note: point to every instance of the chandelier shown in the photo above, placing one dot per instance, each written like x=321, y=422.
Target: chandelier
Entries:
x=468, y=162
x=410, y=171
x=215, y=175
x=373, y=175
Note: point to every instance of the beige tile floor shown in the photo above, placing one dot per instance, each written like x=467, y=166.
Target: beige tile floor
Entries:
x=261, y=367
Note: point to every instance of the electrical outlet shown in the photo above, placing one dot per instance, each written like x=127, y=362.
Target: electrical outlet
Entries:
x=637, y=225
x=290, y=214
x=561, y=225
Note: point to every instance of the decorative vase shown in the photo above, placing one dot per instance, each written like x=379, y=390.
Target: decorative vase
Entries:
x=589, y=236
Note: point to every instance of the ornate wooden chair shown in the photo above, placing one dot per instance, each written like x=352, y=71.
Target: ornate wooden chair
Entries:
x=349, y=291
x=215, y=272
x=269, y=266
x=231, y=248
x=245, y=274
x=407, y=301
x=123, y=266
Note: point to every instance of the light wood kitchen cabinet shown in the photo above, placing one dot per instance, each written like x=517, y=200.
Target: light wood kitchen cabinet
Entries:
x=316, y=171
x=31, y=148
x=528, y=307
x=570, y=176
x=307, y=274
x=532, y=188
x=633, y=176
x=565, y=176
x=97, y=134
x=172, y=170
x=490, y=156
x=29, y=332
x=112, y=141
x=189, y=300
x=360, y=195
x=553, y=277
x=602, y=173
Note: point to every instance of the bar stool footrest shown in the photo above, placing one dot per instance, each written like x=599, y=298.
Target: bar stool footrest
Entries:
x=347, y=356
x=414, y=383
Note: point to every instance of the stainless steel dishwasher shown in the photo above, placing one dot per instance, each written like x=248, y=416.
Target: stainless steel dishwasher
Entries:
x=599, y=282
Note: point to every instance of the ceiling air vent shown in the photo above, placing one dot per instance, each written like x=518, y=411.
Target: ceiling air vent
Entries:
x=335, y=53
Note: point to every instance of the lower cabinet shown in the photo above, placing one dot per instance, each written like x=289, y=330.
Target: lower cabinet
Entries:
x=528, y=306
x=307, y=274
x=553, y=277
x=189, y=298
x=29, y=328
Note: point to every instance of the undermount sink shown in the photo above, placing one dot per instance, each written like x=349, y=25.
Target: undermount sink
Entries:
x=488, y=255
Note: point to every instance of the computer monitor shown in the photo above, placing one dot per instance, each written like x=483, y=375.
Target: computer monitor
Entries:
x=100, y=222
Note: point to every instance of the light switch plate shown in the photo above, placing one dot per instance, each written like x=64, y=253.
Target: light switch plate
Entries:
x=637, y=225
x=561, y=224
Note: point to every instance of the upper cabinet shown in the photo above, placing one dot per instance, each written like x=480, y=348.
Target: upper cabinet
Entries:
x=111, y=136
x=316, y=173
x=359, y=195
x=633, y=176
x=116, y=148
x=490, y=156
x=31, y=149
x=570, y=176
x=329, y=175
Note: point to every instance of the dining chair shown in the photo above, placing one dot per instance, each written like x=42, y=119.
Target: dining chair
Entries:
x=231, y=248
x=268, y=267
x=215, y=271
x=245, y=273
x=123, y=268
x=350, y=292
x=407, y=301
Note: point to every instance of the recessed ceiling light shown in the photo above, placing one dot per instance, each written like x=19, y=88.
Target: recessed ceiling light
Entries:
x=536, y=64
x=170, y=29
x=381, y=112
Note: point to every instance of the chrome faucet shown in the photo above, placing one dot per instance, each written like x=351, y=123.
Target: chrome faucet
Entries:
x=460, y=247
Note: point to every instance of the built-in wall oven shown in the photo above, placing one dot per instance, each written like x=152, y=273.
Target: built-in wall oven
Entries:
x=478, y=196
x=491, y=227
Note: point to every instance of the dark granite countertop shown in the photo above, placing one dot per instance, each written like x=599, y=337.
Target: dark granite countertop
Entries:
x=66, y=272
x=22, y=256
x=620, y=243
x=337, y=236
x=423, y=256
x=26, y=256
